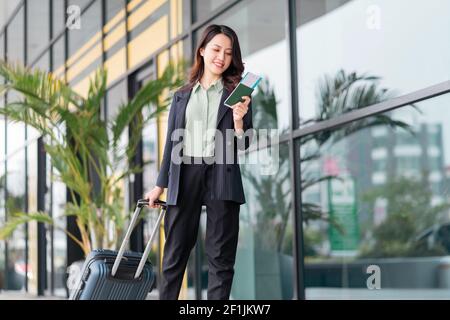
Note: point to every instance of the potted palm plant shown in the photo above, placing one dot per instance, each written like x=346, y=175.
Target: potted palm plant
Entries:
x=83, y=146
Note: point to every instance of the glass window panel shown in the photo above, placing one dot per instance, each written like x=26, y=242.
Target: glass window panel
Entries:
x=43, y=63
x=180, y=11
x=112, y=8
x=115, y=38
x=2, y=46
x=203, y=8
x=185, y=14
x=38, y=27
x=150, y=153
x=58, y=54
x=260, y=27
x=150, y=173
x=15, y=38
x=2, y=193
x=85, y=44
x=80, y=3
x=58, y=237
x=16, y=203
x=384, y=205
x=90, y=26
x=59, y=14
x=32, y=237
x=350, y=47
x=264, y=261
x=7, y=8
x=114, y=98
x=140, y=19
x=181, y=51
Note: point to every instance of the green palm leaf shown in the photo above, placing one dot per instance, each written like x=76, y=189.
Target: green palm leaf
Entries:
x=81, y=149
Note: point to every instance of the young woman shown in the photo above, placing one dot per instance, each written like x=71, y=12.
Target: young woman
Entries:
x=205, y=175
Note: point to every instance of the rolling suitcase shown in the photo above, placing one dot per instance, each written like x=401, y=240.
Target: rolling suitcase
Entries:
x=123, y=275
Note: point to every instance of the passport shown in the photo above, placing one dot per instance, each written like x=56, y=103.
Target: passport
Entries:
x=244, y=88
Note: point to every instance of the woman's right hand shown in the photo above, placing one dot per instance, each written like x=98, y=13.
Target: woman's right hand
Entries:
x=153, y=195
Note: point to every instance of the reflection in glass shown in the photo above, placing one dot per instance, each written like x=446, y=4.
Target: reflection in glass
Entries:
x=264, y=258
x=373, y=38
x=375, y=192
x=344, y=92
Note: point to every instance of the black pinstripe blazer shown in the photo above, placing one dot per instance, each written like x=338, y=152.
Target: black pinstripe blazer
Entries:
x=227, y=181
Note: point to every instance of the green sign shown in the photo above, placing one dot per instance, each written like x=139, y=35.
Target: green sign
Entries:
x=342, y=208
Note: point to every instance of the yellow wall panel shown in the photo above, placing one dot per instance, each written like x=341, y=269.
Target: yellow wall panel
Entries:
x=116, y=35
x=116, y=65
x=173, y=20
x=176, y=52
x=85, y=61
x=118, y=17
x=143, y=12
x=148, y=42
x=82, y=87
x=133, y=4
x=84, y=48
x=176, y=18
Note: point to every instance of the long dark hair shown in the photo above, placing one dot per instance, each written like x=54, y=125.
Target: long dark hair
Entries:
x=233, y=74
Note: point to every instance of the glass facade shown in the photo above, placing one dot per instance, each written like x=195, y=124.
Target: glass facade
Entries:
x=264, y=257
x=368, y=45
x=394, y=216
x=354, y=190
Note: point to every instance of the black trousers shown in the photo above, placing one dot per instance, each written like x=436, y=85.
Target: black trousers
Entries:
x=181, y=228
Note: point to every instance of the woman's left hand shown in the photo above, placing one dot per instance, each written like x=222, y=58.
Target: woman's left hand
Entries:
x=240, y=109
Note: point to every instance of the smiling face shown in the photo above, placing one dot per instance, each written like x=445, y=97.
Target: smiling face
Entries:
x=217, y=54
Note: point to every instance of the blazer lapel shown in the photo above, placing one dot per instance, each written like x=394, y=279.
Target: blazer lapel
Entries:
x=222, y=107
x=182, y=100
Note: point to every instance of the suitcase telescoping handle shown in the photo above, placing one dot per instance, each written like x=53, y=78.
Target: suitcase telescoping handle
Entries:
x=140, y=204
